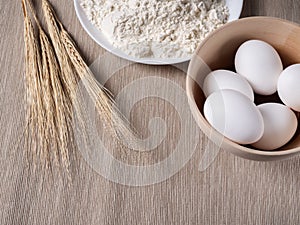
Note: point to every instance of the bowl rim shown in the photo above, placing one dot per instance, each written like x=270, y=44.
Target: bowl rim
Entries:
x=225, y=141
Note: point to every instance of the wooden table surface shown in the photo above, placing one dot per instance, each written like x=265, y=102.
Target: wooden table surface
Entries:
x=230, y=191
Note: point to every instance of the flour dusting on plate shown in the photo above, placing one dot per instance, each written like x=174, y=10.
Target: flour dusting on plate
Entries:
x=156, y=28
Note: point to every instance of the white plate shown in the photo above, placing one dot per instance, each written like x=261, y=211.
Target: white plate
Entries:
x=235, y=8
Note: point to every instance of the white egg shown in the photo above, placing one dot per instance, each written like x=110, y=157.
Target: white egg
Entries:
x=260, y=64
x=235, y=116
x=225, y=79
x=280, y=125
x=288, y=87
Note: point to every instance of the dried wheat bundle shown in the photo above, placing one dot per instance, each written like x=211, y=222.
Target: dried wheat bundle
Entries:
x=54, y=69
x=48, y=132
x=111, y=117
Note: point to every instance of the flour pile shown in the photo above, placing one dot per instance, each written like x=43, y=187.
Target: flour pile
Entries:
x=156, y=28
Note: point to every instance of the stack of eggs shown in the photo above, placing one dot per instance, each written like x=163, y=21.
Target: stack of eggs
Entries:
x=230, y=107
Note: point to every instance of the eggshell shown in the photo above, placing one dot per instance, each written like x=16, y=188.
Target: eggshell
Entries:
x=225, y=79
x=289, y=87
x=260, y=64
x=235, y=116
x=280, y=125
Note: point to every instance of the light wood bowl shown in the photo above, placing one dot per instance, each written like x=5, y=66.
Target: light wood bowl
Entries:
x=218, y=51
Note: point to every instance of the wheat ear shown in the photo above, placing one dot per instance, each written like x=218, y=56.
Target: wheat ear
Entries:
x=35, y=110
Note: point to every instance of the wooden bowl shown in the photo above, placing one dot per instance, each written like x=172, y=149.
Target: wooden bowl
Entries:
x=218, y=51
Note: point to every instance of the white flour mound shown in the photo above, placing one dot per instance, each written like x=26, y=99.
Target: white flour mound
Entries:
x=156, y=28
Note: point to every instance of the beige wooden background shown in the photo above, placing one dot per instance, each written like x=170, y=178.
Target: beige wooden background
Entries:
x=231, y=191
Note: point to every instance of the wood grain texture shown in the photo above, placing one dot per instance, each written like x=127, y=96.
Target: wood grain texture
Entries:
x=231, y=191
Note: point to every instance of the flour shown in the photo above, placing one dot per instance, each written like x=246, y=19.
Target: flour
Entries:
x=156, y=28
